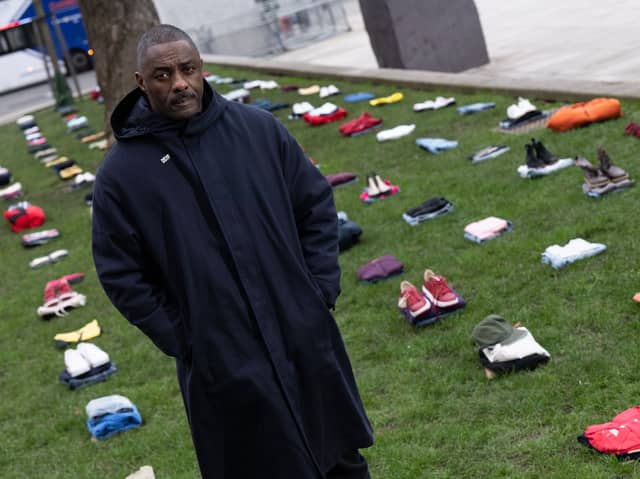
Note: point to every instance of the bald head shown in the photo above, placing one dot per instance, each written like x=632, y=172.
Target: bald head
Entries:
x=158, y=35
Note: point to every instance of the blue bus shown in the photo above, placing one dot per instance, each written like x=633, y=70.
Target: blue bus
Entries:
x=21, y=57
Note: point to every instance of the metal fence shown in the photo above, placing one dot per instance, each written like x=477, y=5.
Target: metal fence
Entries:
x=272, y=27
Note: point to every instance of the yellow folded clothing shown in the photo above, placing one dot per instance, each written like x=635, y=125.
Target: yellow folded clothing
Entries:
x=312, y=90
x=70, y=172
x=94, y=137
x=57, y=161
x=88, y=331
x=385, y=100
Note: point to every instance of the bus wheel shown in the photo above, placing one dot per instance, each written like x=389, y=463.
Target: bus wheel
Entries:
x=80, y=60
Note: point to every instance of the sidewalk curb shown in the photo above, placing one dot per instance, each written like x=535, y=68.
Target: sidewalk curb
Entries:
x=549, y=88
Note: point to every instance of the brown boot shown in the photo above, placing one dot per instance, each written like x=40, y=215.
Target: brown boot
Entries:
x=592, y=175
x=612, y=172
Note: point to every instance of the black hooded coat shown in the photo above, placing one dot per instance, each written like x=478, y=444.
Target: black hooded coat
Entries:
x=218, y=238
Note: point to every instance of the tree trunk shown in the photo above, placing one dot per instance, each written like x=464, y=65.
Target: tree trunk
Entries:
x=113, y=28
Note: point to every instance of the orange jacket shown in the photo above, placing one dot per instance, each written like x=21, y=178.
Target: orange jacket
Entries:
x=579, y=114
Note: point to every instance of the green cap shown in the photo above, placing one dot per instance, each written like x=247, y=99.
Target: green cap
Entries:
x=494, y=329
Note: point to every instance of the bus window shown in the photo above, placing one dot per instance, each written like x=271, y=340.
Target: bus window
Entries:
x=4, y=44
x=19, y=38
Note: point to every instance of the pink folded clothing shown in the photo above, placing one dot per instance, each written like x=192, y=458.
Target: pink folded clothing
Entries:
x=380, y=268
x=487, y=228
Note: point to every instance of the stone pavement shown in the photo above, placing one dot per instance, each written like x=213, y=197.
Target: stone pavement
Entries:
x=569, y=49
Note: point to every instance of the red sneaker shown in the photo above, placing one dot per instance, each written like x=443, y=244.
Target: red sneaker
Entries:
x=411, y=299
x=438, y=291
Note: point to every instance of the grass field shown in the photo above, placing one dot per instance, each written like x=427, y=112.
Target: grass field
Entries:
x=434, y=413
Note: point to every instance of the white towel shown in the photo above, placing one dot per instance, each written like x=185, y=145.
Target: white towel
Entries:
x=523, y=347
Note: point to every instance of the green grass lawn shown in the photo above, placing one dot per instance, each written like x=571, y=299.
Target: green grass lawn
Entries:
x=434, y=413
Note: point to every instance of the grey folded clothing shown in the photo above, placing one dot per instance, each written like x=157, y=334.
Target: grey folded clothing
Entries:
x=608, y=188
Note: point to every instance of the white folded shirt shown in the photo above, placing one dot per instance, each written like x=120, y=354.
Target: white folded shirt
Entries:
x=559, y=256
x=394, y=133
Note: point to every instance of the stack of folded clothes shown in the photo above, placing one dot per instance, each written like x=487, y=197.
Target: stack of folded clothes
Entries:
x=436, y=145
x=620, y=436
x=475, y=107
x=360, y=125
x=38, y=238
x=349, y=232
x=379, y=269
x=240, y=95
x=436, y=300
x=88, y=331
x=431, y=208
x=11, y=191
x=359, y=96
x=486, y=229
x=576, y=249
x=327, y=113
x=85, y=365
x=330, y=90
x=24, y=215
x=488, y=152
x=540, y=162
x=341, y=179
x=603, y=179
x=109, y=415
x=505, y=348
x=395, y=133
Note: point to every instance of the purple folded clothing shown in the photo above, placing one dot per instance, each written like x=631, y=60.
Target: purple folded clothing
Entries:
x=380, y=268
x=338, y=179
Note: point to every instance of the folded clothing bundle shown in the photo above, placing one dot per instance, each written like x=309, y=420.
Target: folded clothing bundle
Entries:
x=620, y=436
x=578, y=114
x=24, y=215
x=431, y=208
x=504, y=348
x=576, y=249
x=109, y=415
x=379, y=269
x=436, y=145
x=486, y=229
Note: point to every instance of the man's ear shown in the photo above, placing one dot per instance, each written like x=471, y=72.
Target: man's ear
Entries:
x=140, y=82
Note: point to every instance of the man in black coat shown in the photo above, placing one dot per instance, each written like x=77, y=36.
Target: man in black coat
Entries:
x=217, y=237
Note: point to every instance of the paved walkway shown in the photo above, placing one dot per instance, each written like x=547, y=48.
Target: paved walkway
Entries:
x=586, y=47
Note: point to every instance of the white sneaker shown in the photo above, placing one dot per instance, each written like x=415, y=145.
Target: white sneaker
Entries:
x=442, y=101
x=394, y=133
x=523, y=107
x=75, y=363
x=426, y=105
x=237, y=95
x=325, y=109
x=302, y=108
x=327, y=91
x=93, y=354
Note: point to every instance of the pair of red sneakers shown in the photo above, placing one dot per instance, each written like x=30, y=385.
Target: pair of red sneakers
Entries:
x=359, y=125
x=435, y=292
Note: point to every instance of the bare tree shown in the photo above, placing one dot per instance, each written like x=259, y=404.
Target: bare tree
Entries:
x=113, y=28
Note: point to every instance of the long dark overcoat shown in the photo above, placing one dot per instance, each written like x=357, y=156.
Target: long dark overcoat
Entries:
x=218, y=239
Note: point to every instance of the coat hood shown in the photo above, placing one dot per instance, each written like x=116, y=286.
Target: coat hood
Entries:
x=133, y=117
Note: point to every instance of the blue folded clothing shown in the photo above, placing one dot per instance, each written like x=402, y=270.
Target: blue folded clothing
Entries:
x=436, y=145
x=94, y=375
x=475, y=107
x=360, y=96
x=102, y=427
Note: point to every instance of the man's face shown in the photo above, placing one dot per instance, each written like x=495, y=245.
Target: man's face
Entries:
x=171, y=76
